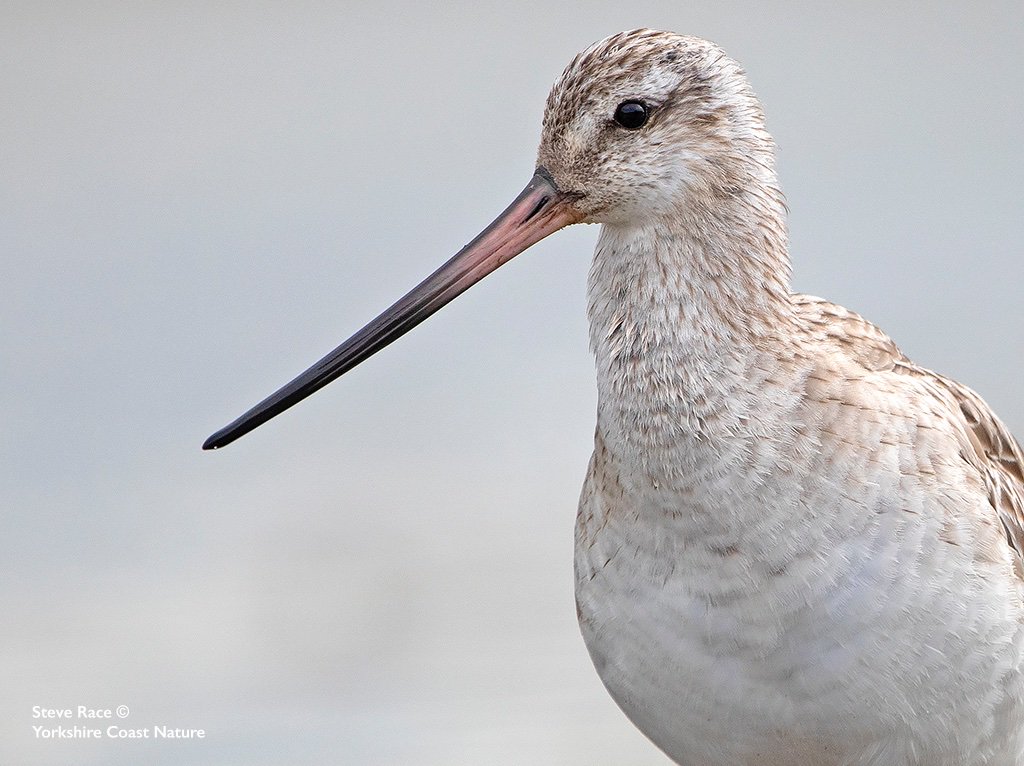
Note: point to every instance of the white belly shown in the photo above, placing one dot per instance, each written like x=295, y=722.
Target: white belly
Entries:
x=883, y=649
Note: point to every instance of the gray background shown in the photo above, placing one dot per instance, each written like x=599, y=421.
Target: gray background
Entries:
x=198, y=200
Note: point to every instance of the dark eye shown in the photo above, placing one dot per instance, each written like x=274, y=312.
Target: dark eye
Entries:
x=631, y=114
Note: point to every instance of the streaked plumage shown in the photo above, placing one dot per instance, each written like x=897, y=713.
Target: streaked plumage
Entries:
x=794, y=545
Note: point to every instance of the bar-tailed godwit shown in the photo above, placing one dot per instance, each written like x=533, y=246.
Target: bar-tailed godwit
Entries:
x=794, y=545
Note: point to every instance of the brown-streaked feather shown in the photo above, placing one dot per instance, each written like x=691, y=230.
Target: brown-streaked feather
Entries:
x=990, y=447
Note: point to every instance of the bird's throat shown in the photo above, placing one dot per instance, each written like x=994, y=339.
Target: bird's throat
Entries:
x=684, y=333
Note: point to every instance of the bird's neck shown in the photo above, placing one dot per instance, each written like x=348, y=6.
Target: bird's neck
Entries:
x=687, y=319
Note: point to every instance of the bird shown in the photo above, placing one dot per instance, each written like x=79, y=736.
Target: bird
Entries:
x=794, y=545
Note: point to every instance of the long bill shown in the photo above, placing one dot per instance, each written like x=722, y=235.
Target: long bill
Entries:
x=539, y=210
